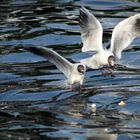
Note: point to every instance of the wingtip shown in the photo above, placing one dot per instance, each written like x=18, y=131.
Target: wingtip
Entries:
x=32, y=49
x=29, y=48
x=137, y=24
x=83, y=9
x=35, y=49
x=83, y=16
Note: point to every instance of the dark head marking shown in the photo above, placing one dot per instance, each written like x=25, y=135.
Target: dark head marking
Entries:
x=81, y=69
x=111, y=60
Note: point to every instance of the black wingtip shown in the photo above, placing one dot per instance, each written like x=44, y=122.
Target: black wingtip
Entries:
x=83, y=17
x=33, y=49
x=137, y=24
x=29, y=48
x=82, y=8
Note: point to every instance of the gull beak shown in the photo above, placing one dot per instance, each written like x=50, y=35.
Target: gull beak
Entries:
x=112, y=64
x=82, y=71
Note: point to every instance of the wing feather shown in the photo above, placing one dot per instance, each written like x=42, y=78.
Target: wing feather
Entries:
x=91, y=31
x=61, y=63
x=124, y=33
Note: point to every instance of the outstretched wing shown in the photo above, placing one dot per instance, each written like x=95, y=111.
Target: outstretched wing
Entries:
x=91, y=31
x=61, y=63
x=124, y=33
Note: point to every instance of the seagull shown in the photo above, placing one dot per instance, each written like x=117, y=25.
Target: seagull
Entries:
x=91, y=35
x=73, y=72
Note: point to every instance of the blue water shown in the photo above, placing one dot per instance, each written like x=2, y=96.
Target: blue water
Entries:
x=34, y=104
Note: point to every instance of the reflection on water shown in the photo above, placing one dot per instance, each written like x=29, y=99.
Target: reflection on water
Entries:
x=33, y=105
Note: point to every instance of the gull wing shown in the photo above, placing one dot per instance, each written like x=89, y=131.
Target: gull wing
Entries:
x=91, y=31
x=124, y=33
x=61, y=63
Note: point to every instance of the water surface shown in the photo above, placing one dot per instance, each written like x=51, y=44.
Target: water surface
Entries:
x=33, y=105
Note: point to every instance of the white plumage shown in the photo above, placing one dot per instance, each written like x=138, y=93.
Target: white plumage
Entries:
x=73, y=71
x=91, y=35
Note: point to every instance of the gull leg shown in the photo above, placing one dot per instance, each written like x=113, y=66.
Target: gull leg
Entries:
x=103, y=74
x=110, y=72
x=72, y=87
x=81, y=88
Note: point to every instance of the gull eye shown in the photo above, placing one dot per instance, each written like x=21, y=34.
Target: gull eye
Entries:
x=81, y=69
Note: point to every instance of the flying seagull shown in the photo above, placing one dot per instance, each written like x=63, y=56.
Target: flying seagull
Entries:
x=73, y=72
x=92, y=32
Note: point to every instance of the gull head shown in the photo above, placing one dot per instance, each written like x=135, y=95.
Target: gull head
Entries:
x=111, y=60
x=81, y=68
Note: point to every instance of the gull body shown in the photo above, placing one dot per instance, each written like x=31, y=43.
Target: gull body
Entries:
x=98, y=60
x=91, y=34
x=75, y=76
x=74, y=72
